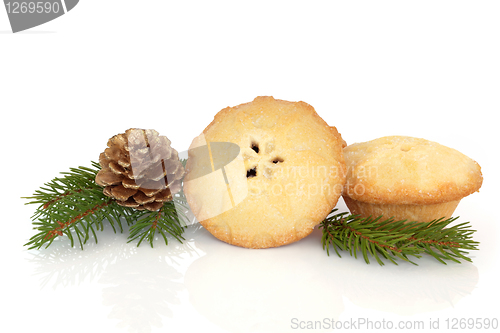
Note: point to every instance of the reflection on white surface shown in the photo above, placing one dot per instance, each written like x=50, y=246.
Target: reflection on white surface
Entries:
x=140, y=284
x=245, y=290
x=141, y=290
x=407, y=289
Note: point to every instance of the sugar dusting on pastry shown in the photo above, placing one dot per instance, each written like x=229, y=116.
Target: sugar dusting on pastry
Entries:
x=292, y=165
x=408, y=177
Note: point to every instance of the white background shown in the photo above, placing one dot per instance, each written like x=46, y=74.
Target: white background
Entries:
x=428, y=69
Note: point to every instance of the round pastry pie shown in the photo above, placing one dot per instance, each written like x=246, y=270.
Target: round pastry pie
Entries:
x=407, y=178
x=265, y=173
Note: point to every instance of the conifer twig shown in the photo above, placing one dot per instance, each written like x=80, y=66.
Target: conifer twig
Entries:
x=391, y=240
x=75, y=206
x=164, y=221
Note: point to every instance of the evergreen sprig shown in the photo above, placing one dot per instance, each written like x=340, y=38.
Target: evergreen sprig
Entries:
x=388, y=239
x=164, y=221
x=75, y=206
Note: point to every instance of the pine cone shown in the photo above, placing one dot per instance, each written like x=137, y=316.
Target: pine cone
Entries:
x=140, y=169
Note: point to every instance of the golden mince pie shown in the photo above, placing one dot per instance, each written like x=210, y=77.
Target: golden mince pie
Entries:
x=265, y=173
x=407, y=178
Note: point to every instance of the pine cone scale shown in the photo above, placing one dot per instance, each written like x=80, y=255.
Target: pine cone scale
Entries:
x=174, y=187
x=164, y=196
x=122, y=193
x=153, y=205
x=107, y=177
x=129, y=203
x=130, y=183
x=150, y=191
x=117, y=168
x=142, y=198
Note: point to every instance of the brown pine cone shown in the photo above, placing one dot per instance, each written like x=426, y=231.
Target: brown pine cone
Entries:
x=140, y=169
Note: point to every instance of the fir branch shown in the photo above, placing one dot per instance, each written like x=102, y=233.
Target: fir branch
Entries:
x=392, y=240
x=75, y=181
x=75, y=206
x=167, y=220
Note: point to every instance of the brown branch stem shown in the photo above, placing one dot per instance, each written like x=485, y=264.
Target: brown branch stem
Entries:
x=58, y=230
x=392, y=248
x=48, y=203
x=153, y=226
x=433, y=242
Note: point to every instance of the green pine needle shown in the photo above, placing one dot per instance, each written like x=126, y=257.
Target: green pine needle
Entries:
x=164, y=221
x=386, y=239
x=75, y=206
